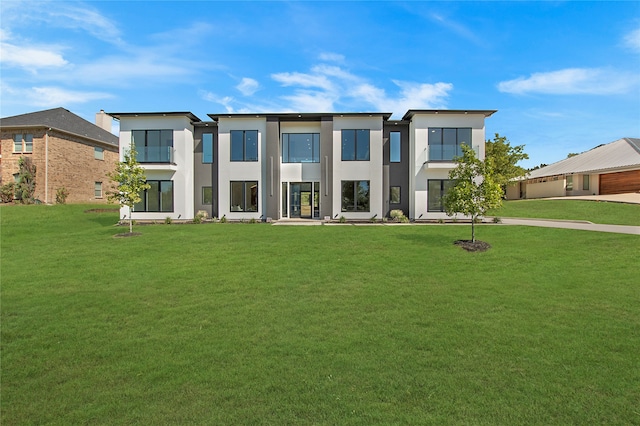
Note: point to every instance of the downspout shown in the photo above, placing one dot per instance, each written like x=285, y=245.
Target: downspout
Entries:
x=46, y=166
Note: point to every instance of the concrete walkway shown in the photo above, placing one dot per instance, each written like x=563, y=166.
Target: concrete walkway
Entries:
x=571, y=224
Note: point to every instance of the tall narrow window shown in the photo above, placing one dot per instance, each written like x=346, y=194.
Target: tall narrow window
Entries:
x=394, y=147
x=244, y=196
x=244, y=145
x=394, y=195
x=97, y=188
x=207, y=148
x=355, y=195
x=585, y=182
x=355, y=145
x=207, y=195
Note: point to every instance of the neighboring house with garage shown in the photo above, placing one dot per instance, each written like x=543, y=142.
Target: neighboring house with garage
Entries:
x=67, y=150
x=612, y=168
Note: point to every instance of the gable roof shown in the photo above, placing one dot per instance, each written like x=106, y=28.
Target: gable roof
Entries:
x=63, y=120
x=620, y=154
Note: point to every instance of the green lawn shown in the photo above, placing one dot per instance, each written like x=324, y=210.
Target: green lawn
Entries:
x=593, y=211
x=259, y=324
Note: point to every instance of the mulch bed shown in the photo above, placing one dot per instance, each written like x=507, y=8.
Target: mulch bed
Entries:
x=473, y=246
x=102, y=210
x=127, y=234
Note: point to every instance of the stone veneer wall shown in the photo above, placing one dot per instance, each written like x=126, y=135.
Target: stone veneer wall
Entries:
x=71, y=164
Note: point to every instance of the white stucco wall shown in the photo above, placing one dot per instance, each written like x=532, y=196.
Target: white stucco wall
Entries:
x=419, y=154
x=181, y=173
x=358, y=170
x=240, y=170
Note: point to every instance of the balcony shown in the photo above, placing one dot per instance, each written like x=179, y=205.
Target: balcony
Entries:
x=155, y=154
x=157, y=158
x=442, y=156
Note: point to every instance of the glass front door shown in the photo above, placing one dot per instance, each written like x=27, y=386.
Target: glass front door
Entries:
x=304, y=199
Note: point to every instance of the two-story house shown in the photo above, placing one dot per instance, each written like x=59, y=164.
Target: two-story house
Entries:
x=298, y=165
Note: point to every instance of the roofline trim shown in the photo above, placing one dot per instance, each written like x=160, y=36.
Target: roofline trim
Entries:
x=485, y=112
x=187, y=114
x=301, y=115
x=116, y=144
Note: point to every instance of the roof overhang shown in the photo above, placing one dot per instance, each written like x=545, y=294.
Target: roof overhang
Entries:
x=115, y=144
x=307, y=116
x=189, y=115
x=486, y=112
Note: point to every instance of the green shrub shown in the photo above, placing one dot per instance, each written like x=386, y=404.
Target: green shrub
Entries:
x=223, y=219
x=61, y=195
x=7, y=192
x=168, y=220
x=342, y=219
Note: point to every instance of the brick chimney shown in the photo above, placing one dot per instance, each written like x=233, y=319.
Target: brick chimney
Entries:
x=104, y=120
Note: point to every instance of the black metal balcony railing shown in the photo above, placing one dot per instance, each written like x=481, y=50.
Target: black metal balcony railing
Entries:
x=155, y=154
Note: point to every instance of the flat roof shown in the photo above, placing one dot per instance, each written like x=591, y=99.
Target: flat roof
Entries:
x=485, y=112
x=187, y=114
x=301, y=116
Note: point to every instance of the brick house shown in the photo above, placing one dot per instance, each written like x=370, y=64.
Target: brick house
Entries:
x=68, y=152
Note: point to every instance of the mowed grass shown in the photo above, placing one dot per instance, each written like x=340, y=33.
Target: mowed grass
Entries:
x=594, y=211
x=357, y=325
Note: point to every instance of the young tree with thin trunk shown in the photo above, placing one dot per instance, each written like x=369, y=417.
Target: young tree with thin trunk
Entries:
x=505, y=159
x=130, y=181
x=476, y=189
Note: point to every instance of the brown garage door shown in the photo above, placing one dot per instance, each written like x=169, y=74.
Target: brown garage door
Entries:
x=618, y=183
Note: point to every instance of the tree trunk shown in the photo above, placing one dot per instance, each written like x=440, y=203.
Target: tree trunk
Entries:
x=473, y=228
x=130, y=223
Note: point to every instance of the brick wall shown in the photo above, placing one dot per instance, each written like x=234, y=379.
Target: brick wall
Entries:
x=71, y=164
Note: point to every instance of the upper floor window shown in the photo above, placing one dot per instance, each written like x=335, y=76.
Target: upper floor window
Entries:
x=355, y=145
x=23, y=142
x=207, y=148
x=98, y=153
x=153, y=146
x=394, y=147
x=445, y=143
x=301, y=147
x=244, y=145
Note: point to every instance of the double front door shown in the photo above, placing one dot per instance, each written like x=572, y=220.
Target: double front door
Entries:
x=304, y=199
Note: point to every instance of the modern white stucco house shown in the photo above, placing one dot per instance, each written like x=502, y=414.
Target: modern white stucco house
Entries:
x=298, y=165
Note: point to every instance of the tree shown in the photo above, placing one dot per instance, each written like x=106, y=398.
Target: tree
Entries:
x=130, y=181
x=476, y=189
x=505, y=158
x=26, y=185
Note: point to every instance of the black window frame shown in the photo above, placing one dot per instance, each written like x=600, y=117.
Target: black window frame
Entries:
x=142, y=150
x=358, y=141
x=391, y=142
x=207, y=148
x=399, y=194
x=245, y=157
x=445, y=185
x=144, y=201
x=354, y=190
x=286, y=148
x=245, y=184
x=456, y=147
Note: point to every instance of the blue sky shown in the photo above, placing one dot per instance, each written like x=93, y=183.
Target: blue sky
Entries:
x=564, y=76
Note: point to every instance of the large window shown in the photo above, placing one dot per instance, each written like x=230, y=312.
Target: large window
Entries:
x=445, y=143
x=394, y=147
x=355, y=145
x=244, y=145
x=437, y=190
x=301, y=147
x=23, y=143
x=153, y=146
x=207, y=148
x=355, y=195
x=158, y=198
x=244, y=196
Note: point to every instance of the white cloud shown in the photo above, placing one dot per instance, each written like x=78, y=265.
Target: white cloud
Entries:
x=327, y=86
x=55, y=96
x=632, y=40
x=225, y=101
x=588, y=81
x=331, y=57
x=30, y=57
x=248, y=86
